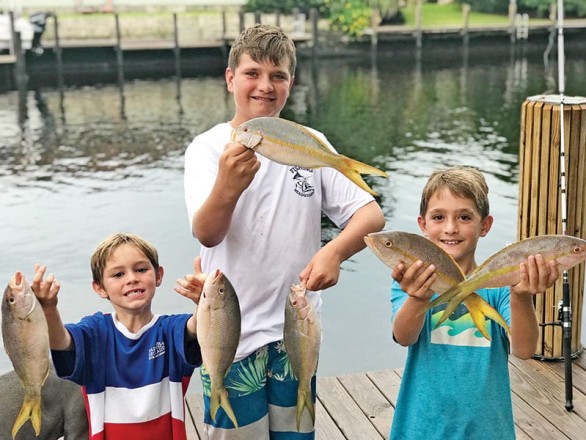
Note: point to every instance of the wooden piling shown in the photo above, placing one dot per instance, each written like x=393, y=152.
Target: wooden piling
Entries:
x=540, y=202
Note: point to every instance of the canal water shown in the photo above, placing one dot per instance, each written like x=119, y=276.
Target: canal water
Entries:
x=81, y=159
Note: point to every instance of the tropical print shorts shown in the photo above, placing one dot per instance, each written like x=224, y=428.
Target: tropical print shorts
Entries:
x=263, y=395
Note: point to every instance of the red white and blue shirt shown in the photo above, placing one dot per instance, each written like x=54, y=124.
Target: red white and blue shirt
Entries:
x=134, y=384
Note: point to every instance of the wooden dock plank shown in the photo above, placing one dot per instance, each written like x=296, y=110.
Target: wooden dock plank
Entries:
x=529, y=423
x=544, y=392
x=370, y=400
x=325, y=427
x=344, y=410
x=361, y=405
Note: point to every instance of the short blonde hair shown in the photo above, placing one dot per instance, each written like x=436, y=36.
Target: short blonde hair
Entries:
x=263, y=42
x=462, y=181
x=106, y=248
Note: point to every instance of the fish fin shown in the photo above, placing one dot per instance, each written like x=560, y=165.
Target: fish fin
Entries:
x=487, y=310
x=31, y=409
x=452, y=306
x=219, y=398
x=362, y=167
x=225, y=404
x=347, y=169
x=304, y=400
x=443, y=298
x=475, y=305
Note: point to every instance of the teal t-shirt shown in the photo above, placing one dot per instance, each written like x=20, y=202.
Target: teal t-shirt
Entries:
x=456, y=384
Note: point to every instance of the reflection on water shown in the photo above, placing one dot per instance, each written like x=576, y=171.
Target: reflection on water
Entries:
x=80, y=162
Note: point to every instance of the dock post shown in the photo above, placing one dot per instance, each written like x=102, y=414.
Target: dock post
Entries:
x=58, y=51
x=466, y=12
x=257, y=17
x=512, y=21
x=176, y=48
x=241, y=24
x=540, y=203
x=374, y=21
x=418, y=24
x=20, y=71
x=119, y=54
x=314, y=16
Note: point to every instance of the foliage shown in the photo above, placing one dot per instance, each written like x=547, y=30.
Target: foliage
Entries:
x=533, y=7
x=351, y=17
x=571, y=7
x=285, y=6
x=449, y=14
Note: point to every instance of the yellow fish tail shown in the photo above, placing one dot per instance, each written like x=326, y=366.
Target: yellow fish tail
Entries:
x=453, y=305
x=304, y=400
x=477, y=303
x=219, y=398
x=351, y=169
x=362, y=167
x=31, y=409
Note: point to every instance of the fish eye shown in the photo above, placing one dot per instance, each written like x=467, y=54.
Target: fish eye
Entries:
x=221, y=291
x=11, y=300
x=388, y=243
x=245, y=130
x=294, y=302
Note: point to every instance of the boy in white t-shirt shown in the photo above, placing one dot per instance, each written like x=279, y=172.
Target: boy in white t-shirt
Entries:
x=262, y=228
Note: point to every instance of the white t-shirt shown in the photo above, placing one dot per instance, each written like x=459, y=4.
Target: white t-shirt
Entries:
x=274, y=233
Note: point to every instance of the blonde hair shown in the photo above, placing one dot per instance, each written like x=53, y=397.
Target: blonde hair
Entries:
x=462, y=181
x=263, y=42
x=106, y=248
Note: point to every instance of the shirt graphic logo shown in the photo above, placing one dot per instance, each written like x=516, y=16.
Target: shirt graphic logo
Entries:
x=302, y=177
x=157, y=350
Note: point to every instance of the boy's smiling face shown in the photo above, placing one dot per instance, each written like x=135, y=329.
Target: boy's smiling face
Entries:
x=454, y=224
x=129, y=280
x=260, y=89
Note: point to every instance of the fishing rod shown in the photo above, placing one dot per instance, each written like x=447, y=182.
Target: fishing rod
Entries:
x=566, y=311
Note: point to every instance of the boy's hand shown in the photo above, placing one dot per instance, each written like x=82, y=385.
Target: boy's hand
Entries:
x=322, y=271
x=46, y=291
x=415, y=280
x=536, y=276
x=237, y=167
x=192, y=284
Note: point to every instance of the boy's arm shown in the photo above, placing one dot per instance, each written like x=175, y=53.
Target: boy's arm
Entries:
x=191, y=287
x=324, y=268
x=416, y=281
x=536, y=275
x=236, y=169
x=46, y=292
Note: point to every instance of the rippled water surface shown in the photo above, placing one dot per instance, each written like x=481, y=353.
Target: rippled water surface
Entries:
x=78, y=163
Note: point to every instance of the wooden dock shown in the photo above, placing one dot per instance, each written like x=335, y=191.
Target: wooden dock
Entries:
x=360, y=406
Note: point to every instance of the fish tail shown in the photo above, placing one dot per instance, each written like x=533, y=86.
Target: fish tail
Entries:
x=443, y=298
x=453, y=305
x=485, y=309
x=348, y=170
x=31, y=409
x=219, y=398
x=475, y=305
x=304, y=400
x=362, y=167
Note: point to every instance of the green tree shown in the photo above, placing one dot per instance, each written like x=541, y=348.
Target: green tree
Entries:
x=286, y=6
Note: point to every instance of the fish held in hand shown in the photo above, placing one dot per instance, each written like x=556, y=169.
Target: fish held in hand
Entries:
x=302, y=338
x=289, y=143
x=26, y=340
x=394, y=247
x=218, y=333
x=502, y=268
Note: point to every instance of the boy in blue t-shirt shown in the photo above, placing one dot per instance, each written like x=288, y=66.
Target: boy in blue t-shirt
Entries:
x=456, y=383
x=134, y=366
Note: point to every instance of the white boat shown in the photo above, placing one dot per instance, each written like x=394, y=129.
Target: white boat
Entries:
x=20, y=25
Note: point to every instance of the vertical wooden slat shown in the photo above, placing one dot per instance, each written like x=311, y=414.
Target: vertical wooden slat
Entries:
x=540, y=200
